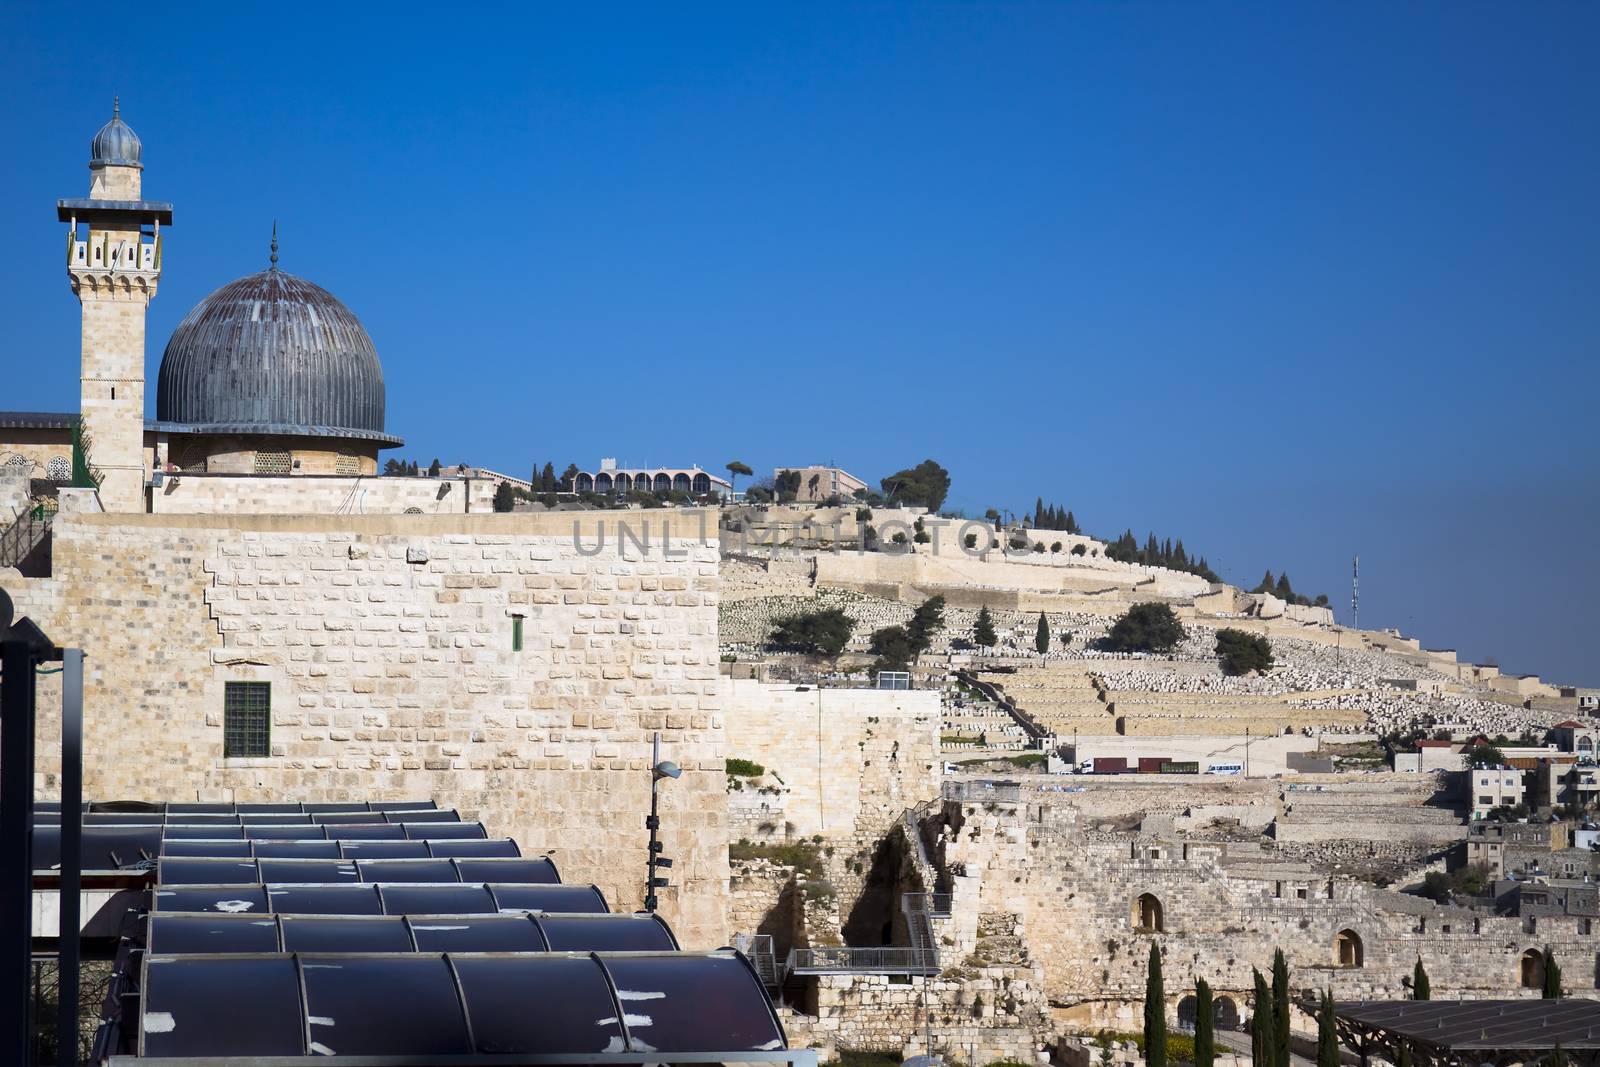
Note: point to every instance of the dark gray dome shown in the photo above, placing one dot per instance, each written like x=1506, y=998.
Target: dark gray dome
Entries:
x=272, y=353
x=116, y=145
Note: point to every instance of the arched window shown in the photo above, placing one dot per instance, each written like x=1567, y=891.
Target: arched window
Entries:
x=583, y=483
x=1188, y=1009
x=1530, y=969
x=1585, y=745
x=663, y=483
x=702, y=484
x=1148, y=915
x=1347, y=950
x=624, y=483
x=602, y=483
x=1226, y=1013
x=680, y=482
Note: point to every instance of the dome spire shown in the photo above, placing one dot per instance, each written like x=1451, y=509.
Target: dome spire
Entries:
x=116, y=106
x=274, y=256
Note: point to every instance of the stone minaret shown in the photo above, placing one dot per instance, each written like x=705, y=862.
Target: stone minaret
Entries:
x=114, y=269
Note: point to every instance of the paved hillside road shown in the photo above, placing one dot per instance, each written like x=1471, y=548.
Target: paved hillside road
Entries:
x=1237, y=1042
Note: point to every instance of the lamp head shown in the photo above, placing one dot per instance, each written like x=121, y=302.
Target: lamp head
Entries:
x=667, y=769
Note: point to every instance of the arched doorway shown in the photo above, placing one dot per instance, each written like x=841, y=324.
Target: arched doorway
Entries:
x=1530, y=969
x=1148, y=915
x=1226, y=1013
x=1188, y=1009
x=1347, y=950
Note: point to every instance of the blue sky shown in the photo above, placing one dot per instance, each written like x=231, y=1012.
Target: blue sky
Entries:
x=1289, y=281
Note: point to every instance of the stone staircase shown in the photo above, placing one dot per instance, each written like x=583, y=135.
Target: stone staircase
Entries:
x=26, y=531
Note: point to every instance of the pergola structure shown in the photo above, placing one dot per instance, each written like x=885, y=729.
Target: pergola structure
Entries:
x=1467, y=1033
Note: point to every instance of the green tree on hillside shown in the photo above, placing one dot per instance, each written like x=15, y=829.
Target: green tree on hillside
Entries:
x=1262, y=1053
x=1155, y=1012
x=433, y=468
x=892, y=646
x=736, y=468
x=504, y=498
x=927, y=484
x=925, y=622
x=824, y=632
x=1148, y=627
x=1041, y=635
x=1280, y=1008
x=983, y=630
x=1552, y=977
x=1243, y=653
x=1327, y=1034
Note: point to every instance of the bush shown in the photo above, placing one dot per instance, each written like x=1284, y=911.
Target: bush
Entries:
x=863, y=514
x=1485, y=756
x=504, y=498
x=823, y=632
x=1242, y=653
x=743, y=768
x=971, y=540
x=893, y=647
x=1079, y=550
x=1146, y=628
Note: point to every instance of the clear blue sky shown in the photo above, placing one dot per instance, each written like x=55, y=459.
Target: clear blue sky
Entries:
x=1288, y=281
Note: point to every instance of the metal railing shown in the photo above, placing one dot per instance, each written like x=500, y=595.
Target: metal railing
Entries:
x=936, y=905
x=27, y=529
x=1001, y=792
x=845, y=959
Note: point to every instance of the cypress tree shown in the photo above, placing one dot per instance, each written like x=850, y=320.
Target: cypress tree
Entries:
x=1155, y=1012
x=1327, y=1036
x=1285, y=590
x=1552, y=977
x=1267, y=583
x=1280, y=1008
x=1558, y=1057
x=983, y=629
x=1038, y=513
x=1041, y=636
x=1261, y=1054
x=1205, y=1042
x=1404, y=1058
x=1072, y=523
x=1420, y=988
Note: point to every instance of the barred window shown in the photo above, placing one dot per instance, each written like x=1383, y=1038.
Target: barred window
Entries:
x=272, y=463
x=246, y=719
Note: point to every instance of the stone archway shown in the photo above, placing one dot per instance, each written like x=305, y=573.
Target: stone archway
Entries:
x=1225, y=1012
x=663, y=483
x=1188, y=1013
x=1148, y=914
x=1530, y=969
x=1348, y=950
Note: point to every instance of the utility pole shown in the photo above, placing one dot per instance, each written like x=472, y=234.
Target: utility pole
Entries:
x=1355, y=590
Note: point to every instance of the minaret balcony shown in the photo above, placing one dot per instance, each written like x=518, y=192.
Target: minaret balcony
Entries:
x=108, y=265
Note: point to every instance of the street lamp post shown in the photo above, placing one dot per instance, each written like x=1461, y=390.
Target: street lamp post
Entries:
x=659, y=769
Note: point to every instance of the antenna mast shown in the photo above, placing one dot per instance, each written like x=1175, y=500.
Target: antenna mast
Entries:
x=1355, y=590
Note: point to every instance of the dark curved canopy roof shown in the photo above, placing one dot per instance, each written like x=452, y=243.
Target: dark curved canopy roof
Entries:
x=272, y=353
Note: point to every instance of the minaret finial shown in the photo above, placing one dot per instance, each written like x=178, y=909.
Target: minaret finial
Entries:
x=274, y=244
x=116, y=106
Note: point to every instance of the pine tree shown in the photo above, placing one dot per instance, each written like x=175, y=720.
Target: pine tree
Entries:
x=1041, y=636
x=1552, y=977
x=1205, y=1041
x=1285, y=590
x=1327, y=1036
x=1261, y=1050
x=1280, y=1008
x=547, y=478
x=1267, y=583
x=1072, y=524
x=1420, y=988
x=983, y=630
x=1155, y=1012
x=434, y=468
x=1038, y=513
x=504, y=498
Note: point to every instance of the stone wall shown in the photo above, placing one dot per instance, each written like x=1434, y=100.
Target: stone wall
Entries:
x=387, y=643
x=314, y=494
x=849, y=760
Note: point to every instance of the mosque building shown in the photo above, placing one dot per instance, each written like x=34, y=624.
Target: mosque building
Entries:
x=269, y=375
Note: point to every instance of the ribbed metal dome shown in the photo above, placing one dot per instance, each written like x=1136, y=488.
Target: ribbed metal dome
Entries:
x=116, y=145
x=275, y=354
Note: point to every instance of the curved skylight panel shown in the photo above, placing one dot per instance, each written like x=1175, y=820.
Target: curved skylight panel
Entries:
x=366, y=831
x=220, y=932
x=334, y=807
x=428, y=870
x=606, y=933
x=211, y=849
x=403, y=805
x=201, y=833
x=537, y=871
x=384, y=1006
x=443, y=898
x=567, y=898
x=307, y=871
x=295, y=850
x=284, y=832
x=377, y=933
x=383, y=850
x=206, y=1006
x=476, y=933
x=324, y=899
x=478, y=848
x=440, y=831
x=177, y=871
x=665, y=1002
x=434, y=815
x=576, y=1013
x=226, y=899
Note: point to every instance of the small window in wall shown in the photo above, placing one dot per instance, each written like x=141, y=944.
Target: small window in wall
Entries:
x=516, y=633
x=246, y=719
x=347, y=465
x=272, y=463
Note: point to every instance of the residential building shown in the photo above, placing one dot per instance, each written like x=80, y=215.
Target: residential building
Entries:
x=1495, y=787
x=819, y=483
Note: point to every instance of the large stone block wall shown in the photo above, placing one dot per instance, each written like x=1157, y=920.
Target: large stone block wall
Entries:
x=850, y=760
x=312, y=494
x=387, y=641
